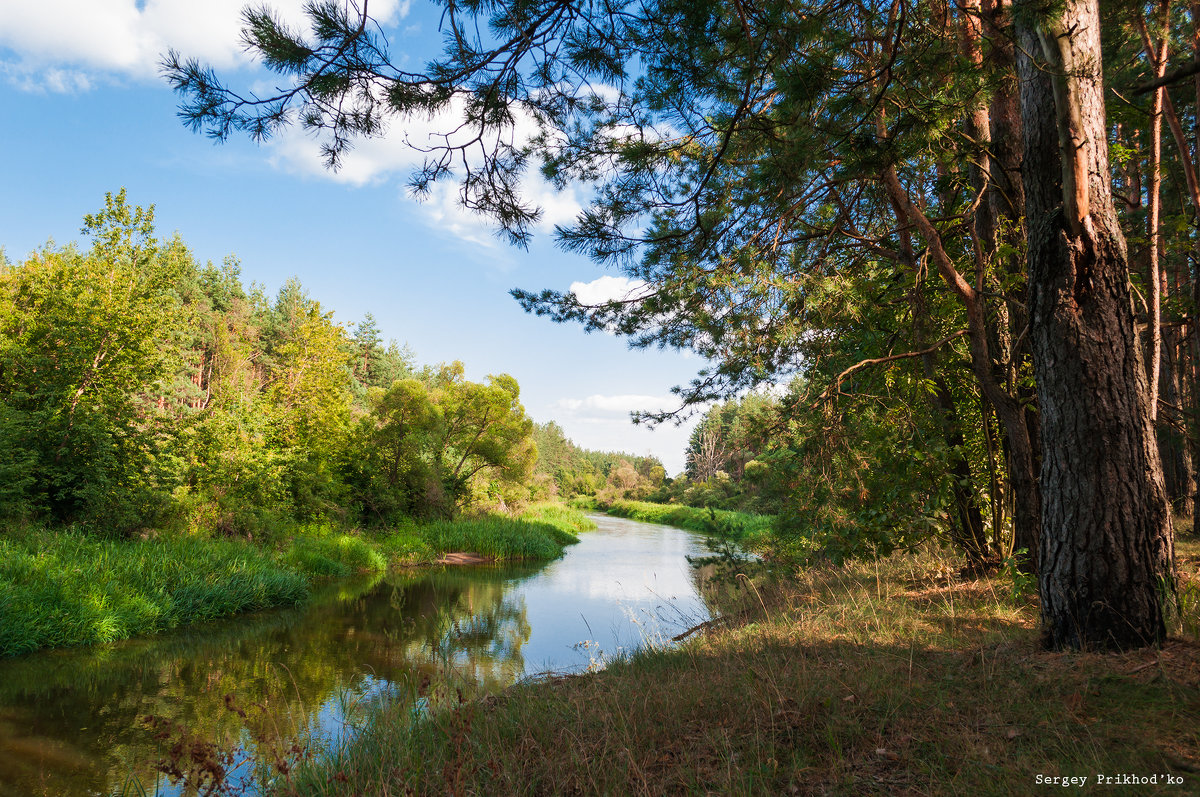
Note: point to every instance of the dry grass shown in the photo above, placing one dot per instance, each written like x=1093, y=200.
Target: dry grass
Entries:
x=877, y=678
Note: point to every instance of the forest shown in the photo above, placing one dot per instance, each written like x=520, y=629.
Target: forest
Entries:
x=253, y=443
x=940, y=264
x=143, y=390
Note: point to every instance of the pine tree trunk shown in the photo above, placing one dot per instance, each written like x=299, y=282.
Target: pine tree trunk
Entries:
x=1107, y=549
x=1007, y=201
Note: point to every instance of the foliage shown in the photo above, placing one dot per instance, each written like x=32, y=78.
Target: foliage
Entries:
x=438, y=444
x=577, y=471
x=81, y=334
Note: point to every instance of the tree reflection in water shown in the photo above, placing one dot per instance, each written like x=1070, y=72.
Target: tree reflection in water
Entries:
x=73, y=722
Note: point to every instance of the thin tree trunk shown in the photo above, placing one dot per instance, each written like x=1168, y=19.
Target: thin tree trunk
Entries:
x=1158, y=60
x=1006, y=195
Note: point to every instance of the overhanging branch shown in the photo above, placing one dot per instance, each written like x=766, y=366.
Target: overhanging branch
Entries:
x=837, y=382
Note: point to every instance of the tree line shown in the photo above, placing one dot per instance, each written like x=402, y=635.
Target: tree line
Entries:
x=567, y=470
x=140, y=389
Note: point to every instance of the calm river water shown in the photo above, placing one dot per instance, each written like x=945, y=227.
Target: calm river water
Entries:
x=73, y=722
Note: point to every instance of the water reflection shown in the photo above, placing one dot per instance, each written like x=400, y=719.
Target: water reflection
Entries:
x=72, y=722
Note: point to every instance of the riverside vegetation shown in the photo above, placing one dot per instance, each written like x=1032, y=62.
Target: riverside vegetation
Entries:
x=175, y=447
x=62, y=588
x=878, y=676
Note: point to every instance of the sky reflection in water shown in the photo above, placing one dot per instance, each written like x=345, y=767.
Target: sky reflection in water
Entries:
x=71, y=722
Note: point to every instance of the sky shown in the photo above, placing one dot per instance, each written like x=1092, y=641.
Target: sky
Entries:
x=85, y=112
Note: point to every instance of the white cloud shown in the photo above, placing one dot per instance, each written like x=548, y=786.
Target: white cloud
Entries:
x=126, y=38
x=71, y=46
x=603, y=407
x=609, y=289
x=602, y=423
x=403, y=147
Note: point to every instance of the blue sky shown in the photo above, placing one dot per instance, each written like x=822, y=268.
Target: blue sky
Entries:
x=85, y=112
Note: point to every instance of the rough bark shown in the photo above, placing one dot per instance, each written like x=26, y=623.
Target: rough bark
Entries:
x=1107, y=548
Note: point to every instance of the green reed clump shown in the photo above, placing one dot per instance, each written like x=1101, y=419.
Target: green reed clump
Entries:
x=404, y=546
x=63, y=588
x=499, y=537
x=326, y=554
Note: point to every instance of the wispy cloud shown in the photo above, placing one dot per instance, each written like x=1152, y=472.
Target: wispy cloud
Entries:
x=75, y=46
x=601, y=422
x=601, y=406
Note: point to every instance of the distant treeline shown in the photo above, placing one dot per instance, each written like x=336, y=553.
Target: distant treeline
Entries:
x=569, y=470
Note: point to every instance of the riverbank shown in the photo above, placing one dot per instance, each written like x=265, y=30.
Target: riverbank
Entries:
x=879, y=677
x=748, y=530
x=64, y=587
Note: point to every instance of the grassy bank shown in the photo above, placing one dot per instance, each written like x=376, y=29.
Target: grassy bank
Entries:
x=887, y=677
x=540, y=532
x=742, y=527
x=61, y=588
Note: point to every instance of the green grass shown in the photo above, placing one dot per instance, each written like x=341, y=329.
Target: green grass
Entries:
x=500, y=538
x=565, y=518
x=335, y=555
x=888, y=677
x=60, y=589
x=749, y=530
x=540, y=532
x=65, y=588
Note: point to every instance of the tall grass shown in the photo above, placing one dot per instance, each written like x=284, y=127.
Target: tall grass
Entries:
x=500, y=538
x=885, y=677
x=336, y=555
x=62, y=589
x=561, y=516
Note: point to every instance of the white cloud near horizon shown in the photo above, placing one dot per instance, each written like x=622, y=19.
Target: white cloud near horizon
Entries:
x=619, y=404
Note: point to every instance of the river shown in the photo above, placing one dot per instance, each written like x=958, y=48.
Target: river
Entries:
x=74, y=722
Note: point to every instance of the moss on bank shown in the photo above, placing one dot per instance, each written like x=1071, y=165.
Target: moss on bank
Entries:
x=887, y=677
x=65, y=587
